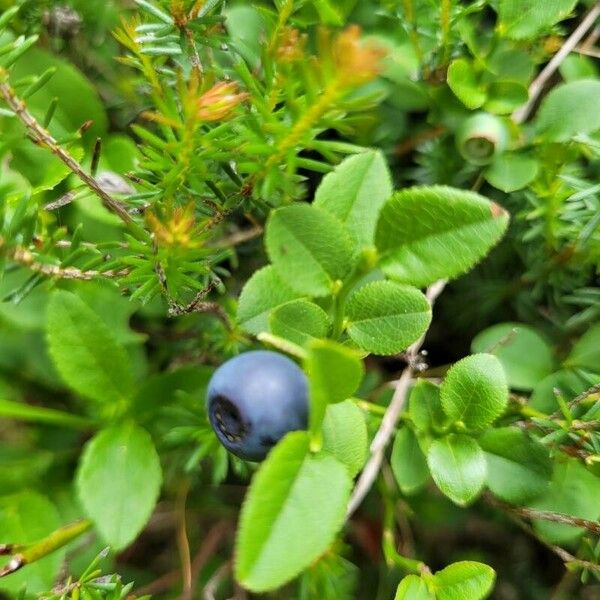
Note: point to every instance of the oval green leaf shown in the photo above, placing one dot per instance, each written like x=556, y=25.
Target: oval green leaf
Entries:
x=85, y=351
x=464, y=580
x=413, y=587
x=525, y=355
x=118, y=482
x=386, y=317
x=475, y=391
x=355, y=192
x=295, y=495
x=458, y=467
x=299, y=321
x=429, y=233
x=334, y=374
x=309, y=248
x=510, y=171
x=425, y=406
x=345, y=435
x=569, y=109
x=518, y=467
x=263, y=292
x=463, y=80
x=408, y=461
x=586, y=351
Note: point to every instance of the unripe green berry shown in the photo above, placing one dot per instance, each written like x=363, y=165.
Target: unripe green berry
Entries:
x=481, y=137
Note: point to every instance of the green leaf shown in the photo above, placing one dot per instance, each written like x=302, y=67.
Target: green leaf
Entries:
x=118, y=482
x=464, y=82
x=464, y=580
x=430, y=233
x=85, y=351
x=299, y=321
x=569, y=109
x=525, y=355
x=586, y=351
x=112, y=307
x=355, y=192
x=568, y=383
x=334, y=374
x=408, y=461
x=505, y=96
x=169, y=387
x=510, y=171
x=458, y=467
x=578, y=66
x=518, y=468
x=309, y=248
x=475, y=391
x=386, y=317
x=345, y=435
x=521, y=19
x=507, y=63
x=574, y=491
x=295, y=495
x=263, y=292
x=79, y=100
x=328, y=13
x=413, y=587
x=24, y=518
x=425, y=406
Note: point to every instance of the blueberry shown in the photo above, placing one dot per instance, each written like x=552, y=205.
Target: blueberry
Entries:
x=254, y=399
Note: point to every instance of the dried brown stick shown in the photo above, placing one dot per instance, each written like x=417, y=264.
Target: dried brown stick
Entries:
x=42, y=137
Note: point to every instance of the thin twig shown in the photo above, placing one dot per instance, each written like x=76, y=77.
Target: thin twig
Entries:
x=538, y=84
x=593, y=52
x=207, y=549
x=565, y=556
x=388, y=424
x=27, y=259
x=27, y=554
x=545, y=515
x=183, y=544
x=239, y=237
x=213, y=583
x=43, y=138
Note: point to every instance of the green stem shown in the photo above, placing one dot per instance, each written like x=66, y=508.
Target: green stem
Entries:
x=37, y=414
x=375, y=409
x=308, y=120
x=392, y=556
x=409, y=13
x=339, y=302
x=34, y=552
x=282, y=344
x=445, y=22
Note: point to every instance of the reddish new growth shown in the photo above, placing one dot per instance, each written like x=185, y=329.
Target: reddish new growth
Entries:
x=218, y=102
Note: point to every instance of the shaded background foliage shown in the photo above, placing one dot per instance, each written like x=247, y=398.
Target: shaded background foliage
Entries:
x=309, y=91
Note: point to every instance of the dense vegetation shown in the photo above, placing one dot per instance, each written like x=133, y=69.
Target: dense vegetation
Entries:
x=402, y=197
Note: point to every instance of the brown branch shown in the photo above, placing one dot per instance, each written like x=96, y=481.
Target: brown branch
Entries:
x=209, y=546
x=183, y=544
x=545, y=515
x=42, y=137
x=26, y=258
x=213, y=583
x=566, y=557
x=239, y=237
x=388, y=424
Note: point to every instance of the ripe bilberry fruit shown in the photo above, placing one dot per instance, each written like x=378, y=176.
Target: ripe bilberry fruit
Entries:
x=254, y=399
